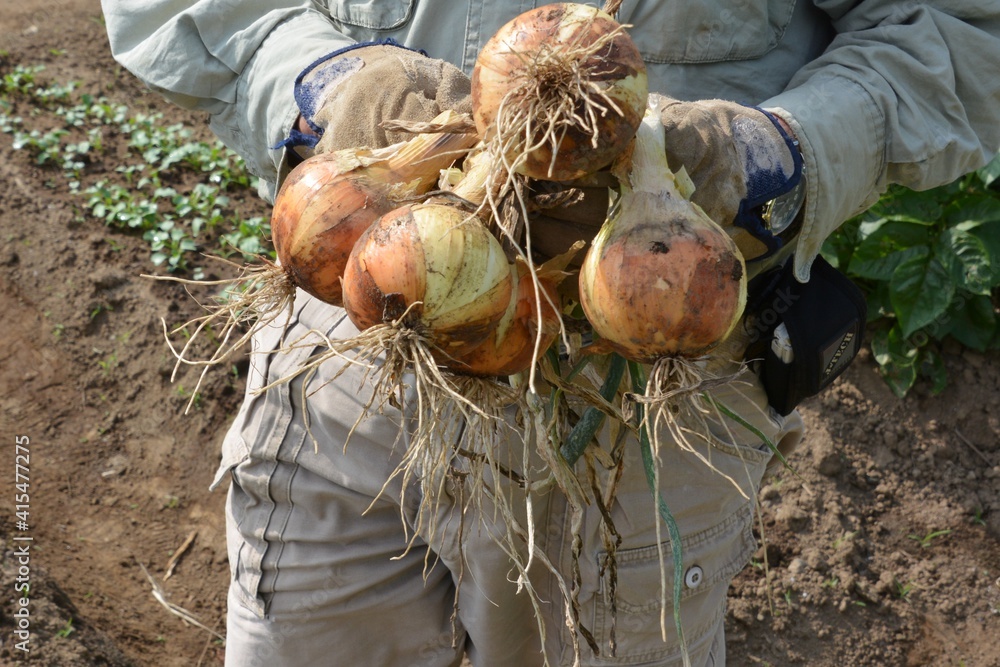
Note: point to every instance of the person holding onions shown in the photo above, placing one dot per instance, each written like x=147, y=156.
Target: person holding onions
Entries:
x=789, y=117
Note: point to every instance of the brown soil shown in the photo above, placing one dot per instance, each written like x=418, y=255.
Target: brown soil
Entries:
x=883, y=550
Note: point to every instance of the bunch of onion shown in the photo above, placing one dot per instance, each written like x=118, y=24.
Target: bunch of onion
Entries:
x=663, y=284
x=557, y=93
x=322, y=208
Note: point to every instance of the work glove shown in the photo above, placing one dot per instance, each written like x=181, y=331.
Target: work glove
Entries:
x=344, y=97
x=739, y=158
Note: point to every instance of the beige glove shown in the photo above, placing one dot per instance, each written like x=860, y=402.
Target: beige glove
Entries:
x=344, y=98
x=738, y=157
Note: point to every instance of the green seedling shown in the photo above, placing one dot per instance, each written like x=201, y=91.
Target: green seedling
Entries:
x=926, y=541
x=66, y=630
x=108, y=364
x=68, y=130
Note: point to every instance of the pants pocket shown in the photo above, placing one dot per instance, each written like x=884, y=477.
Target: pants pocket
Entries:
x=631, y=614
x=244, y=558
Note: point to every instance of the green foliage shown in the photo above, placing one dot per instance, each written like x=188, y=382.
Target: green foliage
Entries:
x=172, y=189
x=929, y=263
x=66, y=630
x=927, y=540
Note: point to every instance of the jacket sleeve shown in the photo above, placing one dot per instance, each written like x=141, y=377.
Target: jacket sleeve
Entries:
x=906, y=93
x=235, y=60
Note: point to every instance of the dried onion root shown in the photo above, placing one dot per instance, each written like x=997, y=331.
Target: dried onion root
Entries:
x=559, y=91
x=322, y=208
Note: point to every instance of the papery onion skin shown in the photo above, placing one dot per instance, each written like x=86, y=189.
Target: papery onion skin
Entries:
x=431, y=262
x=510, y=62
x=330, y=199
x=318, y=216
x=510, y=346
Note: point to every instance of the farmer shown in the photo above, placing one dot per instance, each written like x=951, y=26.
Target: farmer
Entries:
x=844, y=99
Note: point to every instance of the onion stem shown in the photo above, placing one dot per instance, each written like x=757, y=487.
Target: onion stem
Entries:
x=638, y=376
x=585, y=430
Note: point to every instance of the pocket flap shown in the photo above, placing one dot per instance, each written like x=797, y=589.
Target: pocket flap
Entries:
x=373, y=14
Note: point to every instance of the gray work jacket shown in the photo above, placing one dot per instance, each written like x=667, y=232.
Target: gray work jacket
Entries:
x=878, y=91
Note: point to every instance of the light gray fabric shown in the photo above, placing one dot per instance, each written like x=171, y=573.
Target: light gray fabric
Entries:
x=313, y=550
x=317, y=577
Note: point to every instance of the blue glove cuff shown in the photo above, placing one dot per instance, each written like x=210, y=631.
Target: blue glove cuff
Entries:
x=766, y=181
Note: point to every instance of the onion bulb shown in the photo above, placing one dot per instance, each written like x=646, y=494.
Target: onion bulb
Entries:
x=661, y=278
x=434, y=269
x=327, y=202
x=528, y=327
x=561, y=89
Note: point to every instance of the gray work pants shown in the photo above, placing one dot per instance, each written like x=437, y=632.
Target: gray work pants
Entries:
x=317, y=542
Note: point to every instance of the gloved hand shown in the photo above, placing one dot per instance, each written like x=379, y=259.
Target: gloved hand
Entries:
x=344, y=97
x=738, y=157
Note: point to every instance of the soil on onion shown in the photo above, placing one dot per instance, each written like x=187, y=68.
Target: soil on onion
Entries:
x=883, y=550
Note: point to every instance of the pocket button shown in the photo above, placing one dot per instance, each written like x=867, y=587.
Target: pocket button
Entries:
x=694, y=576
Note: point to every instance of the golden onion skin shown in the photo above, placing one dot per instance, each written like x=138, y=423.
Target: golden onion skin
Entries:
x=318, y=215
x=663, y=288
x=508, y=65
x=510, y=346
x=445, y=272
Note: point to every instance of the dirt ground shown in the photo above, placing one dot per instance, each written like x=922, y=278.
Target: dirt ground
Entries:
x=883, y=550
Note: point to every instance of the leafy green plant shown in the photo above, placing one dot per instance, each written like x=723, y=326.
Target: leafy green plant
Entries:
x=21, y=79
x=929, y=263
x=927, y=540
x=155, y=195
